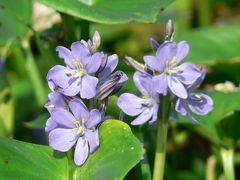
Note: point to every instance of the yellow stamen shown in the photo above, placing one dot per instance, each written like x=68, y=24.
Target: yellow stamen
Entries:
x=144, y=92
x=79, y=73
x=77, y=63
x=83, y=121
x=75, y=122
x=197, y=95
x=50, y=105
x=173, y=60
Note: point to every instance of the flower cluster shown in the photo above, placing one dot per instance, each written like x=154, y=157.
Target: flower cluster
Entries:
x=87, y=75
x=164, y=75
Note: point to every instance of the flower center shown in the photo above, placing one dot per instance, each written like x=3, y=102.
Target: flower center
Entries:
x=148, y=102
x=169, y=66
x=196, y=97
x=80, y=71
x=80, y=127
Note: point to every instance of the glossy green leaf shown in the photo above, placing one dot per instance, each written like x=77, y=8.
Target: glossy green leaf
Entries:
x=21, y=160
x=14, y=17
x=224, y=106
x=110, y=11
x=119, y=151
x=212, y=45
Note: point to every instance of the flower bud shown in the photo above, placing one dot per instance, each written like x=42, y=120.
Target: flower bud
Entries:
x=96, y=39
x=169, y=30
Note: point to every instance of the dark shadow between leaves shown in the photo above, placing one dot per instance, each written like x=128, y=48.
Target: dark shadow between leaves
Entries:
x=58, y=154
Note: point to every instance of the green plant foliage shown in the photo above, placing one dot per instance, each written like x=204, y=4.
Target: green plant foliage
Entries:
x=14, y=17
x=109, y=11
x=212, y=45
x=119, y=151
x=39, y=122
x=224, y=105
x=21, y=160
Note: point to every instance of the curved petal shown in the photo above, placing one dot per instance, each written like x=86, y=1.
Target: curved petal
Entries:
x=93, y=65
x=143, y=117
x=153, y=62
x=55, y=100
x=65, y=54
x=80, y=53
x=187, y=73
x=202, y=106
x=130, y=104
x=155, y=113
x=60, y=76
x=63, y=118
x=154, y=44
x=81, y=151
x=50, y=125
x=111, y=64
x=62, y=139
x=161, y=84
x=93, y=139
x=73, y=89
x=88, y=88
x=79, y=109
x=182, y=51
x=144, y=83
x=176, y=87
x=166, y=52
x=94, y=118
x=192, y=118
x=181, y=106
x=120, y=83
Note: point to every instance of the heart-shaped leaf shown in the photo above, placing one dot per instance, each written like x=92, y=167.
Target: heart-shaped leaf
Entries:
x=110, y=11
x=119, y=151
x=21, y=160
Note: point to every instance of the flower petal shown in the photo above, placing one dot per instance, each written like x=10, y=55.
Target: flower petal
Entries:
x=81, y=151
x=93, y=139
x=50, y=125
x=143, y=117
x=187, y=73
x=154, y=44
x=55, y=100
x=63, y=118
x=176, y=87
x=182, y=51
x=94, y=118
x=130, y=104
x=79, y=109
x=73, y=89
x=160, y=83
x=153, y=62
x=89, y=84
x=202, y=106
x=93, y=65
x=62, y=139
x=155, y=113
x=65, y=54
x=60, y=76
x=192, y=118
x=144, y=83
x=166, y=52
x=80, y=53
x=181, y=106
x=112, y=62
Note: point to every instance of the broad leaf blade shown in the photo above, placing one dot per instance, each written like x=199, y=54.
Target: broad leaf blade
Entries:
x=119, y=151
x=21, y=160
x=110, y=11
x=212, y=45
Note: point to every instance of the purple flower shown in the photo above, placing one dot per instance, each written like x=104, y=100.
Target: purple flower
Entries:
x=55, y=101
x=197, y=103
x=77, y=77
x=168, y=55
x=76, y=128
x=105, y=77
x=145, y=107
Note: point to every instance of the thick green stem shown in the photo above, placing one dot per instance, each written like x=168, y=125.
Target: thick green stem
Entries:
x=228, y=164
x=159, y=162
x=211, y=168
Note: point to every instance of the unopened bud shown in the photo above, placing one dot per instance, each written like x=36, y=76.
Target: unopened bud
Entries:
x=169, y=30
x=135, y=64
x=96, y=39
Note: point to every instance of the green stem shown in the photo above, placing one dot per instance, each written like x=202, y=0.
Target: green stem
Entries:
x=85, y=30
x=211, y=168
x=34, y=74
x=159, y=162
x=68, y=26
x=228, y=164
x=204, y=12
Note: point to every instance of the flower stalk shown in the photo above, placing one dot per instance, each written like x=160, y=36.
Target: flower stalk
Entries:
x=228, y=164
x=162, y=129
